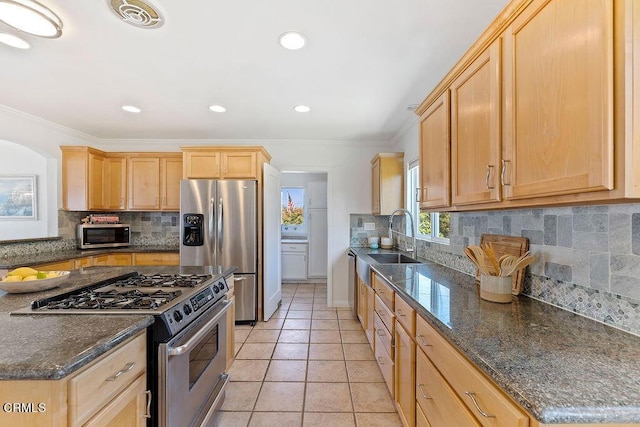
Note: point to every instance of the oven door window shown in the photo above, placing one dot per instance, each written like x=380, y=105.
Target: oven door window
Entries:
x=202, y=355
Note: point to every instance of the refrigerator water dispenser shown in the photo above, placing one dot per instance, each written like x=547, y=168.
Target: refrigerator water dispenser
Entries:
x=193, y=225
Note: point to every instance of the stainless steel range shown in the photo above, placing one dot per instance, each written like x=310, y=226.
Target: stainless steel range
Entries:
x=187, y=342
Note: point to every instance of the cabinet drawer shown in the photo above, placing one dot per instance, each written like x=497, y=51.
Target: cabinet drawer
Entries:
x=293, y=247
x=385, y=314
x=386, y=365
x=473, y=388
x=421, y=418
x=384, y=291
x=437, y=400
x=156, y=259
x=406, y=316
x=382, y=336
x=93, y=387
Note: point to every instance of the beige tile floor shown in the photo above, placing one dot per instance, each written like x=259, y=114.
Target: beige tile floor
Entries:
x=310, y=365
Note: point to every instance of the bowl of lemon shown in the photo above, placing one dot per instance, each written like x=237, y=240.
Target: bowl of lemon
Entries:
x=26, y=279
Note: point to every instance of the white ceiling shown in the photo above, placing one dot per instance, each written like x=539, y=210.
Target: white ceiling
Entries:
x=365, y=62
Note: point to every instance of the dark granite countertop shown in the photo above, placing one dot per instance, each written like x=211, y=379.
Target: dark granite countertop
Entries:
x=561, y=367
x=21, y=260
x=48, y=347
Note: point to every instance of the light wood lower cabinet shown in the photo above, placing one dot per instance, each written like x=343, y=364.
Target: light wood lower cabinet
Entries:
x=483, y=399
x=370, y=313
x=421, y=418
x=405, y=365
x=231, y=323
x=56, y=266
x=159, y=258
x=439, y=403
x=112, y=259
x=94, y=396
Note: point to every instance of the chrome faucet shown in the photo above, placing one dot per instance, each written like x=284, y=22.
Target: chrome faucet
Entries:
x=413, y=230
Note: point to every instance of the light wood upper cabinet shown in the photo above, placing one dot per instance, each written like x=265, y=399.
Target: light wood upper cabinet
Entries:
x=435, y=171
x=154, y=182
x=559, y=91
x=170, y=176
x=144, y=183
x=475, y=130
x=239, y=165
x=82, y=178
x=387, y=183
x=224, y=162
x=115, y=182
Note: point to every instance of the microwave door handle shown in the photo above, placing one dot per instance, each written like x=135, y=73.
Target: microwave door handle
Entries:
x=220, y=230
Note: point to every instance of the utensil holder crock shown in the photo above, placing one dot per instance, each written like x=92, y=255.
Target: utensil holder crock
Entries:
x=495, y=288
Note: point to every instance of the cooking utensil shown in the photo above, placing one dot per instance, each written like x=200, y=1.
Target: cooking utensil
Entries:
x=507, y=245
x=490, y=253
x=519, y=264
x=477, y=257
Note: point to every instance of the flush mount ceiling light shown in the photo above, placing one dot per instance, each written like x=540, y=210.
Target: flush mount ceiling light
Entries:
x=30, y=17
x=217, y=108
x=292, y=40
x=143, y=14
x=14, y=41
x=131, y=109
x=302, y=108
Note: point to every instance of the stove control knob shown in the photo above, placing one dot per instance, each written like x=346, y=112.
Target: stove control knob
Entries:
x=216, y=289
x=187, y=309
x=177, y=315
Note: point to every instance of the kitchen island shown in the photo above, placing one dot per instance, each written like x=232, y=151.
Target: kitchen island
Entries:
x=560, y=367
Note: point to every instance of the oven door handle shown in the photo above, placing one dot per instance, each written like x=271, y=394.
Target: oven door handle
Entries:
x=193, y=341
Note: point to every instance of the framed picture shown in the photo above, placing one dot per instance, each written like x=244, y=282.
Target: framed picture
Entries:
x=18, y=197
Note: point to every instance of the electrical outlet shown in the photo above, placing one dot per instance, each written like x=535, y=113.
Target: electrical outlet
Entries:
x=369, y=225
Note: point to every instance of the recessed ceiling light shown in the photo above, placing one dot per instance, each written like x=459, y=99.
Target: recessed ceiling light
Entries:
x=131, y=109
x=292, y=40
x=14, y=41
x=302, y=108
x=217, y=108
x=30, y=17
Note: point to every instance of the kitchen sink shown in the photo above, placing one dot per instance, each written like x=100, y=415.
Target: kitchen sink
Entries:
x=393, y=259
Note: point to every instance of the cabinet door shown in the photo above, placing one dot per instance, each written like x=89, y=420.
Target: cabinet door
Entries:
x=294, y=265
x=558, y=78
x=231, y=328
x=82, y=262
x=127, y=409
x=317, y=194
x=475, y=130
x=317, y=243
x=112, y=259
x=156, y=258
x=201, y=164
x=56, y=266
x=239, y=165
x=144, y=183
x=438, y=401
x=435, y=171
x=171, y=174
x=375, y=187
x=405, y=393
x=96, y=181
x=370, y=315
x=115, y=180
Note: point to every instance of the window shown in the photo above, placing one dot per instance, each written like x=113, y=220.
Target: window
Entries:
x=434, y=226
x=293, y=212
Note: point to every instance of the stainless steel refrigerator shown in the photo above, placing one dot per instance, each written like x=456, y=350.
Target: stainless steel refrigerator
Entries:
x=219, y=228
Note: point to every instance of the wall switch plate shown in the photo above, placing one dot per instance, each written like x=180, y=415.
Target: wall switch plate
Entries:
x=369, y=225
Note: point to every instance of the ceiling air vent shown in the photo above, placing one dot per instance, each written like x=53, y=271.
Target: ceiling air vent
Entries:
x=136, y=12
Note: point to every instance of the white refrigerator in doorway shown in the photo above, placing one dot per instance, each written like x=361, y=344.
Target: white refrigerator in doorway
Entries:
x=219, y=228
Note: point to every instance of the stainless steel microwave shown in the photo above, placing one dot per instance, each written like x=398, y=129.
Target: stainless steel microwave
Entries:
x=91, y=236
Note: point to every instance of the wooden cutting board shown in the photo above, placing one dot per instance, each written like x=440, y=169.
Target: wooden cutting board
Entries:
x=507, y=245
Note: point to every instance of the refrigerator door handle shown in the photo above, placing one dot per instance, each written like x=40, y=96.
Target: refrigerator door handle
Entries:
x=212, y=214
x=220, y=231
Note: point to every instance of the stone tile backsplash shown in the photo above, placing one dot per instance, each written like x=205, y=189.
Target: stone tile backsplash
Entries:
x=588, y=257
x=147, y=229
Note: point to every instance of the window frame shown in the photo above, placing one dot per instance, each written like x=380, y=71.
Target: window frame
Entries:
x=413, y=183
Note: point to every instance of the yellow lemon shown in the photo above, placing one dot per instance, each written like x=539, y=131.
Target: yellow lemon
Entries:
x=23, y=272
x=12, y=279
x=28, y=278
